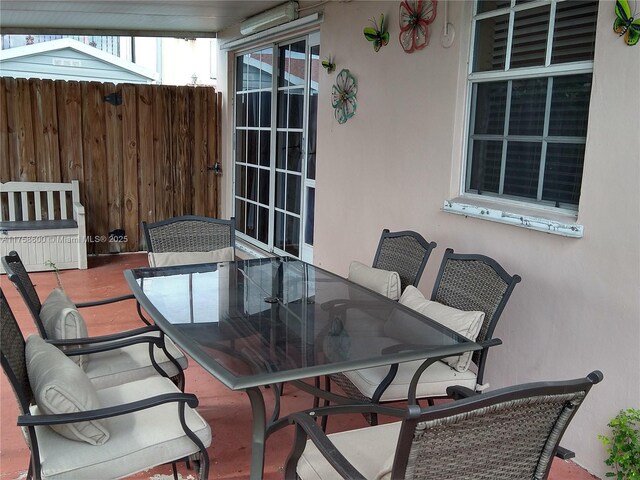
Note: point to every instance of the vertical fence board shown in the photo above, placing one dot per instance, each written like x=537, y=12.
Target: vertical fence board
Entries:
x=162, y=151
x=130, y=165
x=6, y=173
x=145, y=159
x=145, y=153
x=69, y=113
x=95, y=166
x=200, y=160
x=115, y=189
x=45, y=130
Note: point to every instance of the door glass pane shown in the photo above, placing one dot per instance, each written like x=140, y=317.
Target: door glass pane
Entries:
x=252, y=146
x=251, y=219
x=265, y=148
x=265, y=176
x=296, y=107
x=265, y=109
x=263, y=224
x=312, y=135
x=528, y=101
x=281, y=150
x=240, y=216
x=292, y=64
x=241, y=181
x=521, y=173
x=266, y=68
x=281, y=186
x=309, y=218
x=282, y=108
x=252, y=109
x=292, y=235
x=252, y=183
x=485, y=169
x=294, y=152
x=293, y=193
x=278, y=240
x=241, y=145
x=241, y=109
x=491, y=43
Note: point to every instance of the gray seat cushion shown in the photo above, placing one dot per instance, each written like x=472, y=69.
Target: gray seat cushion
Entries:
x=37, y=225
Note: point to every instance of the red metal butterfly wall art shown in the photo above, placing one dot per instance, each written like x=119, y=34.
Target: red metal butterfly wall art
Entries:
x=415, y=17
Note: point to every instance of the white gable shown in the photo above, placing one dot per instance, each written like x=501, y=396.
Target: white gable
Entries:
x=68, y=59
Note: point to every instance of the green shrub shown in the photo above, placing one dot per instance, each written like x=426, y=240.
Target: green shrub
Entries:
x=623, y=446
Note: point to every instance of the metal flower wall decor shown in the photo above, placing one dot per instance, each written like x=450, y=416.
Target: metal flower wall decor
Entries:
x=415, y=17
x=343, y=96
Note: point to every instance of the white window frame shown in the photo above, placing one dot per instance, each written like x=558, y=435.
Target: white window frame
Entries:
x=513, y=210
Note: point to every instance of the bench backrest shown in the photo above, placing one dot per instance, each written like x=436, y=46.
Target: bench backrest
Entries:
x=29, y=201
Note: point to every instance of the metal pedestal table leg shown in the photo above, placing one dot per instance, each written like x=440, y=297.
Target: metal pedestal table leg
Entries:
x=258, y=413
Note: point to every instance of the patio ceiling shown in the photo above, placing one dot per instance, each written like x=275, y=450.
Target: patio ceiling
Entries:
x=172, y=18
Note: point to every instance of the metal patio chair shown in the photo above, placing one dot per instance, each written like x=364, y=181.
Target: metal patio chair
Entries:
x=508, y=434
x=466, y=282
x=190, y=239
x=136, y=358
x=405, y=252
x=135, y=439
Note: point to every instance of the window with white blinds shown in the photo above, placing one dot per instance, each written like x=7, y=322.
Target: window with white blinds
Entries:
x=530, y=84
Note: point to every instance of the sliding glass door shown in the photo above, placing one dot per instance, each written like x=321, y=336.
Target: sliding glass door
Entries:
x=275, y=145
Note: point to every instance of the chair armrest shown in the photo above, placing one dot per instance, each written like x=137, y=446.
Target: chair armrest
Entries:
x=78, y=208
x=107, y=338
x=306, y=427
x=106, y=301
x=458, y=392
x=87, y=346
x=114, y=411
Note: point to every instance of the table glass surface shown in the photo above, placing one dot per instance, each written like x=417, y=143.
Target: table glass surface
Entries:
x=263, y=321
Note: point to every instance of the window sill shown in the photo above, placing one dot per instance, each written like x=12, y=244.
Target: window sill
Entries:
x=547, y=222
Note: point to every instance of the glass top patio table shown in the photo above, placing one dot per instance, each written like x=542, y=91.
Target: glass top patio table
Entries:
x=261, y=322
x=264, y=321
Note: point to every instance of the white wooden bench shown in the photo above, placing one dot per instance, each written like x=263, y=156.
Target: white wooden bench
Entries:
x=44, y=223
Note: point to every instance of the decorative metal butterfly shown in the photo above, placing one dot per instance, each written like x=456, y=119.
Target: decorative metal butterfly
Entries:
x=328, y=64
x=625, y=24
x=377, y=34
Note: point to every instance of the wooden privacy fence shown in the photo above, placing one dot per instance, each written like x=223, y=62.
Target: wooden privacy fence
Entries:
x=140, y=152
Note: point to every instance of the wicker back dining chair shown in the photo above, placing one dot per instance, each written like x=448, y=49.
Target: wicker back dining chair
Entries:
x=473, y=282
x=134, y=358
x=136, y=439
x=191, y=234
x=508, y=434
x=405, y=252
x=467, y=282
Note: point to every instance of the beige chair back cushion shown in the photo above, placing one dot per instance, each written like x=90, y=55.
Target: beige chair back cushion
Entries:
x=381, y=281
x=166, y=259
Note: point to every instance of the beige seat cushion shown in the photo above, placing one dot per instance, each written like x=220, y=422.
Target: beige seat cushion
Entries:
x=433, y=381
x=165, y=259
x=465, y=323
x=370, y=450
x=138, y=441
x=60, y=386
x=126, y=364
x=62, y=321
x=381, y=281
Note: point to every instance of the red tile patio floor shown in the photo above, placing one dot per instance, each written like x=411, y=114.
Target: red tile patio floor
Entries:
x=228, y=412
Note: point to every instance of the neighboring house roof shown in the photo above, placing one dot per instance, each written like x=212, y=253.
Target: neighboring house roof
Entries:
x=68, y=59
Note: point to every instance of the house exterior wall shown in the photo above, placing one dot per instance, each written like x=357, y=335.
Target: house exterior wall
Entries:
x=398, y=159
